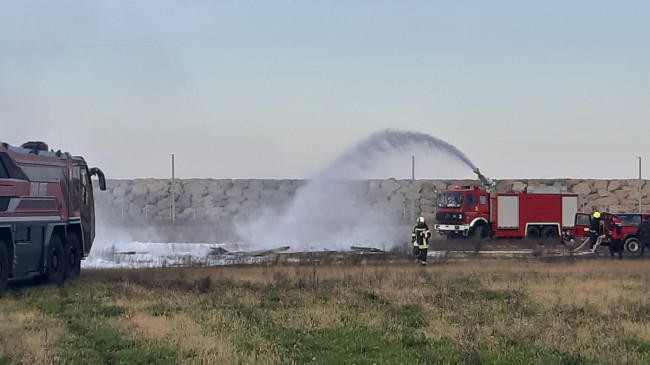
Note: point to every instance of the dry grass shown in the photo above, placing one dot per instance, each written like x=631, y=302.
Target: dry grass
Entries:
x=488, y=311
x=28, y=336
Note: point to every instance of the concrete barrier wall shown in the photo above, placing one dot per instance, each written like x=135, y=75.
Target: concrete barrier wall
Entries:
x=213, y=200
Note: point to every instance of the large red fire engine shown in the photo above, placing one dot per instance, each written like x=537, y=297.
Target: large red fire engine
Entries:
x=482, y=213
x=47, y=216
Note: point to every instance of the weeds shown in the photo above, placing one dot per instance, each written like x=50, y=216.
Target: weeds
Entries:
x=473, y=312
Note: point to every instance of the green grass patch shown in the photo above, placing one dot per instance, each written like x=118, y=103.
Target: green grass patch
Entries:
x=89, y=339
x=359, y=346
x=318, y=315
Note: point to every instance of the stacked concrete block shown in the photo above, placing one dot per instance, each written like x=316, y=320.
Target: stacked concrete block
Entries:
x=214, y=200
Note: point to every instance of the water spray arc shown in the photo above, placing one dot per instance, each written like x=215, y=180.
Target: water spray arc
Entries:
x=328, y=212
x=360, y=156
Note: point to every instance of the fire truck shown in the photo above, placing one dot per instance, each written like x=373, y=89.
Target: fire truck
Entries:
x=480, y=212
x=47, y=215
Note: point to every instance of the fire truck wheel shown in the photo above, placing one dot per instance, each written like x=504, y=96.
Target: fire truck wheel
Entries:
x=549, y=232
x=632, y=245
x=480, y=232
x=533, y=232
x=4, y=266
x=55, y=270
x=73, y=256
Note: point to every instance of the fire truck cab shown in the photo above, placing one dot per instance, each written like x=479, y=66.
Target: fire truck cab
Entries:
x=47, y=215
x=463, y=211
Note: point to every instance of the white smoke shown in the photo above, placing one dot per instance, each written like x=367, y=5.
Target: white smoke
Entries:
x=325, y=214
x=333, y=212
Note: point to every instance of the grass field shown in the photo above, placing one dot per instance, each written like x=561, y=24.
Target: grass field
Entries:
x=472, y=312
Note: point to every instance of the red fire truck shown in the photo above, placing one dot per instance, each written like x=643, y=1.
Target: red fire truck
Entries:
x=47, y=216
x=482, y=213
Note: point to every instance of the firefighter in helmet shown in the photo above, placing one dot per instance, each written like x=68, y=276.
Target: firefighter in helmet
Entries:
x=594, y=229
x=420, y=238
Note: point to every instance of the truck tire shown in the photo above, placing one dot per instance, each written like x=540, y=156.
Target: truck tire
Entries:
x=73, y=257
x=4, y=266
x=549, y=232
x=632, y=245
x=533, y=233
x=55, y=271
x=481, y=232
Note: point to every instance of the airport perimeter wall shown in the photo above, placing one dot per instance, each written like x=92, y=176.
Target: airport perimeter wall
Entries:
x=226, y=200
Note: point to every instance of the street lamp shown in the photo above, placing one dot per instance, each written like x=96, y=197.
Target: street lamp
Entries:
x=413, y=187
x=173, y=192
x=639, y=157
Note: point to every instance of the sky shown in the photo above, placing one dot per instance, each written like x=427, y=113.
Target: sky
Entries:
x=280, y=89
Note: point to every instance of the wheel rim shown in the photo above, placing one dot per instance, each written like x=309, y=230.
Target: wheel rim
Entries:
x=55, y=261
x=633, y=246
x=71, y=258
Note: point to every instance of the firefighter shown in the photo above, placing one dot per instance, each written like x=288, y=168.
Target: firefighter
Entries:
x=643, y=233
x=594, y=229
x=615, y=244
x=420, y=238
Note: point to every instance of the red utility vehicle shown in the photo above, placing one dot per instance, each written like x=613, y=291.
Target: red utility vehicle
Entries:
x=630, y=225
x=47, y=217
x=481, y=213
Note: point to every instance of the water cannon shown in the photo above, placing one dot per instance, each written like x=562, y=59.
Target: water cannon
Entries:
x=487, y=183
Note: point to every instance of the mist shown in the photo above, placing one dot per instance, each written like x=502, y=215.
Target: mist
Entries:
x=331, y=211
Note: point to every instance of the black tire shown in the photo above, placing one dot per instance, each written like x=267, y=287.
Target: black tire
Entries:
x=4, y=267
x=73, y=257
x=55, y=271
x=632, y=245
x=549, y=232
x=533, y=233
x=481, y=232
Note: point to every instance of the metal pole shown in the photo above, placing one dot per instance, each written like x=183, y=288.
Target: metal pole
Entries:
x=173, y=192
x=639, y=183
x=412, y=187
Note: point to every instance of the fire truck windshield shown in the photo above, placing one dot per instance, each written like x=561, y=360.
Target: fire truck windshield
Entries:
x=450, y=200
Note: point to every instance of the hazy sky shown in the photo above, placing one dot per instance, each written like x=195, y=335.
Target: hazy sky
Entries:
x=278, y=89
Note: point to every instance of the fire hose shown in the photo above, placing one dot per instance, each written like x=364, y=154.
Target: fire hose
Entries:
x=584, y=242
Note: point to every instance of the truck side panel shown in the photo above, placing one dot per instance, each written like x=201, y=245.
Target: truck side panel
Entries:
x=508, y=212
x=540, y=209
x=569, y=210
x=29, y=242
x=532, y=209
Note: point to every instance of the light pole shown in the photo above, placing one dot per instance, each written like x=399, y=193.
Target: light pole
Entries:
x=413, y=187
x=173, y=192
x=639, y=157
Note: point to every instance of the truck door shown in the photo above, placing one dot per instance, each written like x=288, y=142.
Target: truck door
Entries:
x=484, y=207
x=87, y=208
x=581, y=225
x=471, y=207
x=81, y=203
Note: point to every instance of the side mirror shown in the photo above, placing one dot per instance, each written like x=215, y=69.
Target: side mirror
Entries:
x=100, y=176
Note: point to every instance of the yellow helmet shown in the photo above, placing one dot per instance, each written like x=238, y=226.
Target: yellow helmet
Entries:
x=596, y=214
